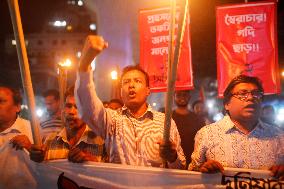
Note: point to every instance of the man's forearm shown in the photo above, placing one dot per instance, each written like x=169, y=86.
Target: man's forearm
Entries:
x=91, y=110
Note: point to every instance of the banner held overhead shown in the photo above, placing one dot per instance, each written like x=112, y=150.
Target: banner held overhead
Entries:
x=247, y=44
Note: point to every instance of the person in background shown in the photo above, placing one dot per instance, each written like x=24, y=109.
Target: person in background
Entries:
x=200, y=109
x=268, y=114
x=115, y=104
x=105, y=103
x=240, y=139
x=52, y=123
x=188, y=123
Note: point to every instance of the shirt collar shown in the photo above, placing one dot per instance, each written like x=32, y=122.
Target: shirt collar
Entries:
x=14, y=128
x=62, y=135
x=230, y=126
x=148, y=113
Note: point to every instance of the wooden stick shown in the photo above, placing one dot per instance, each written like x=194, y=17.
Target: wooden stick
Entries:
x=24, y=67
x=173, y=69
x=62, y=83
x=168, y=107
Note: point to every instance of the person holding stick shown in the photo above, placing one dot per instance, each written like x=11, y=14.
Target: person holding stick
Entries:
x=133, y=134
x=13, y=129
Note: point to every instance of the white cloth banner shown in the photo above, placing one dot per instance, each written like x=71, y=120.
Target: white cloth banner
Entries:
x=18, y=171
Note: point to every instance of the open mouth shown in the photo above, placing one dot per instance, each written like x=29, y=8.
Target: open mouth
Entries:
x=70, y=120
x=251, y=107
x=132, y=94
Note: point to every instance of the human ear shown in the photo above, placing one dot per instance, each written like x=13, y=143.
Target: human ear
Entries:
x=148, y=91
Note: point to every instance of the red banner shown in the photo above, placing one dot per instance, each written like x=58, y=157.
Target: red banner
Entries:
x=154, y=39
x=247, y=44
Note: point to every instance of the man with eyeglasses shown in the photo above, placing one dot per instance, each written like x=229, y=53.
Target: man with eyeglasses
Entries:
x=240, y=139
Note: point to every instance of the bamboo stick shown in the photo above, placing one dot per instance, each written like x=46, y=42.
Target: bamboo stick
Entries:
x=24, y=67
x=172, y=65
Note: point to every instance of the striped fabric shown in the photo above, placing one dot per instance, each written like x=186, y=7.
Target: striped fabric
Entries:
x=51, y=126
x=58, y=147
x=129, y=140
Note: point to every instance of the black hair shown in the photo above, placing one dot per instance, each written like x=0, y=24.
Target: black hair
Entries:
x=197, y=102
x=237, y=80
x=17, y=97
x=116, y=100
x=69, y=92
x=51, y=92
x=187, y=91
x=268, y=106
x=136, y=67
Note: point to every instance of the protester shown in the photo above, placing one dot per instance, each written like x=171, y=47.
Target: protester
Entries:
x=13, y=129
x=134, y=134
x=76, y=141
x=52, y=123
x=268, y=115
x=200, y=109
x=115, y=104
x=105, y=103
x=240, y=139
x=188, y=123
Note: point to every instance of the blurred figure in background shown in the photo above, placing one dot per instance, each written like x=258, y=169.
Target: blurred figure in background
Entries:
x=105, y=103
x=115, y=104
x=188, y=123
x=51, y=123
x=268, y=115
x=200, y=109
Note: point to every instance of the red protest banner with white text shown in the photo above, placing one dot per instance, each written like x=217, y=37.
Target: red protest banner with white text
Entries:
x=154, y=39
x=247, y=44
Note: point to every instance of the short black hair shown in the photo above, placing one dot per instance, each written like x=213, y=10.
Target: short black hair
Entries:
x=237, y=80
x=17, y=97
x=69, y=92
x=197, y=102
x=268, y=106
x=105, y=102
x=136, y=67
x=51, y=92
x=187, y=91
x=116, y=100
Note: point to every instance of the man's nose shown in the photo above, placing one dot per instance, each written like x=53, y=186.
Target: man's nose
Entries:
x=131, y=84
x=73, y=110
x=251, y=97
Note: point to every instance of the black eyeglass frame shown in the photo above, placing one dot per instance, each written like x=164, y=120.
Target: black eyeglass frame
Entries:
x=243, y=95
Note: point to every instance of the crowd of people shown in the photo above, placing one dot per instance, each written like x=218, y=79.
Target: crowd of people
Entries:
x=129, y=131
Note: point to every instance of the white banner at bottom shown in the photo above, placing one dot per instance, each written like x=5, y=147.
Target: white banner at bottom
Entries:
x=18, y=171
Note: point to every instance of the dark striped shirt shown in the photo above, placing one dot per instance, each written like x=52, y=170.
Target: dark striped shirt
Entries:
x=58, y=146
x=51, y=126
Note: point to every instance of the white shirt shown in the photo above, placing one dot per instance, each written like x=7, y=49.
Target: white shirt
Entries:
x=129, y=140
x=20, y=127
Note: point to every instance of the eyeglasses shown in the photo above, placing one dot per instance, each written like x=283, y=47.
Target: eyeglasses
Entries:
x=243, y=95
